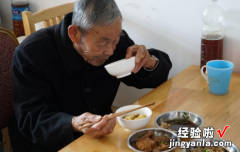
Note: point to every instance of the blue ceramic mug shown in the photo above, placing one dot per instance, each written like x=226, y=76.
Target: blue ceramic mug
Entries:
x=219, y=74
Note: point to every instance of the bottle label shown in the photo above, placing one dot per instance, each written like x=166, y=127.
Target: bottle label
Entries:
x=17, y=13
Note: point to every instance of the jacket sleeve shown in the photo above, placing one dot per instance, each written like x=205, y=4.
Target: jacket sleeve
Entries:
x=148, y=79
x=39, y=118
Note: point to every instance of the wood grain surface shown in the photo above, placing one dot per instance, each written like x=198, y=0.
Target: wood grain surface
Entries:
x=187, y=91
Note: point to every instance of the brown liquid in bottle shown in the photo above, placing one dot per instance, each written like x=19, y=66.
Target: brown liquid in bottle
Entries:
x=18, y=25
x=211, y=49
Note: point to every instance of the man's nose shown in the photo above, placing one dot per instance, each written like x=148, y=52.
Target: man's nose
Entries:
x=109, y=50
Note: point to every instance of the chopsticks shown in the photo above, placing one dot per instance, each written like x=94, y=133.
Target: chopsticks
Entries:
x=86, y=124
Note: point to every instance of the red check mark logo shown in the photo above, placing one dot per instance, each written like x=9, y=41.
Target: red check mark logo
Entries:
x=221, y=134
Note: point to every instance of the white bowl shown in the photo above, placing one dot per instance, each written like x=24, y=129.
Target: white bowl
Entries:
x=134, y=124
x=121, y=68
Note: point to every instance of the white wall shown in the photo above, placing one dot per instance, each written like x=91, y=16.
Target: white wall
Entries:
x=173, y=26
x=35, y=5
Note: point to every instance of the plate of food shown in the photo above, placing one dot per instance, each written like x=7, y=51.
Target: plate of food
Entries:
x=173, y=120
x=152, y=140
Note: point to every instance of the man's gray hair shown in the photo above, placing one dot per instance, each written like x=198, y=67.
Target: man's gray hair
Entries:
x=88, y=13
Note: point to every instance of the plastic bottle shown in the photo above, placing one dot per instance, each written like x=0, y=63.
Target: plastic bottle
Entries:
x=18, y=6
x=212, y=33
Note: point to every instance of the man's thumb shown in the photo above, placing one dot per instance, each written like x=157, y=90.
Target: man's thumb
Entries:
x=97, y=118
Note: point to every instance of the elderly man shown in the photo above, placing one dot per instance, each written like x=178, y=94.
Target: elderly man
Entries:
x=60, y=80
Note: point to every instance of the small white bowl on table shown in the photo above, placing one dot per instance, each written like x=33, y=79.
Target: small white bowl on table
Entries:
x=133, y=125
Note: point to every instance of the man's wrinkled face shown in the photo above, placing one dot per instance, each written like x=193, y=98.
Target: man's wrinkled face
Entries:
x=99, y=43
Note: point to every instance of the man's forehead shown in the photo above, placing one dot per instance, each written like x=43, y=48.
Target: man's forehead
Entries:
x=108, y=32
x=105, y=37
x=105, y=34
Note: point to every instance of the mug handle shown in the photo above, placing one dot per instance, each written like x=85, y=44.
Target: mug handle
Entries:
x=204, y=75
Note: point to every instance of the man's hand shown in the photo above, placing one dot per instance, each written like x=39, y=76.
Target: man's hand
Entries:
x=103, y=127
x=142, y=57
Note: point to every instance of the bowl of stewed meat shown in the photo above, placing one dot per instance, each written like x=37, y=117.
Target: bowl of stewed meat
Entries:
x=152, y=140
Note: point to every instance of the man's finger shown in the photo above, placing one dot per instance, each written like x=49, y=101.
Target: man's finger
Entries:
x=93, y=118
x=113, y=122
x=140, y=54
x=131, y=51
x=94, y=130
x=143, y=62
x=108, y=128
x=135, y=68
x=138, y=59
x=101, y=124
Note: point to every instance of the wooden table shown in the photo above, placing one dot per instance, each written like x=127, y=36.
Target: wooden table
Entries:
x=187, y=91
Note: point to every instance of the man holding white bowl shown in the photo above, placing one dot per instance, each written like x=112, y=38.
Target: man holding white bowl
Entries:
x=60, y=80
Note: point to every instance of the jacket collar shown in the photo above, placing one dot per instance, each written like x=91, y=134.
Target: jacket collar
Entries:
x=72, y=60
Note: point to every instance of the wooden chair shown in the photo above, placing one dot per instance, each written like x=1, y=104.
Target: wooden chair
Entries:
x=50, y=16
x=8, y=43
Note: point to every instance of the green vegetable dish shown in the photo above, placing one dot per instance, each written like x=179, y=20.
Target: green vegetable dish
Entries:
x=175, y=124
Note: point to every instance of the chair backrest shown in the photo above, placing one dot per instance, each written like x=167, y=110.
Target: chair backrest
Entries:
x=50, y=16
x=8, y=43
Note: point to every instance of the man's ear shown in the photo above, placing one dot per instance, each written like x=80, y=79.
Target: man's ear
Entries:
x=74, y=33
